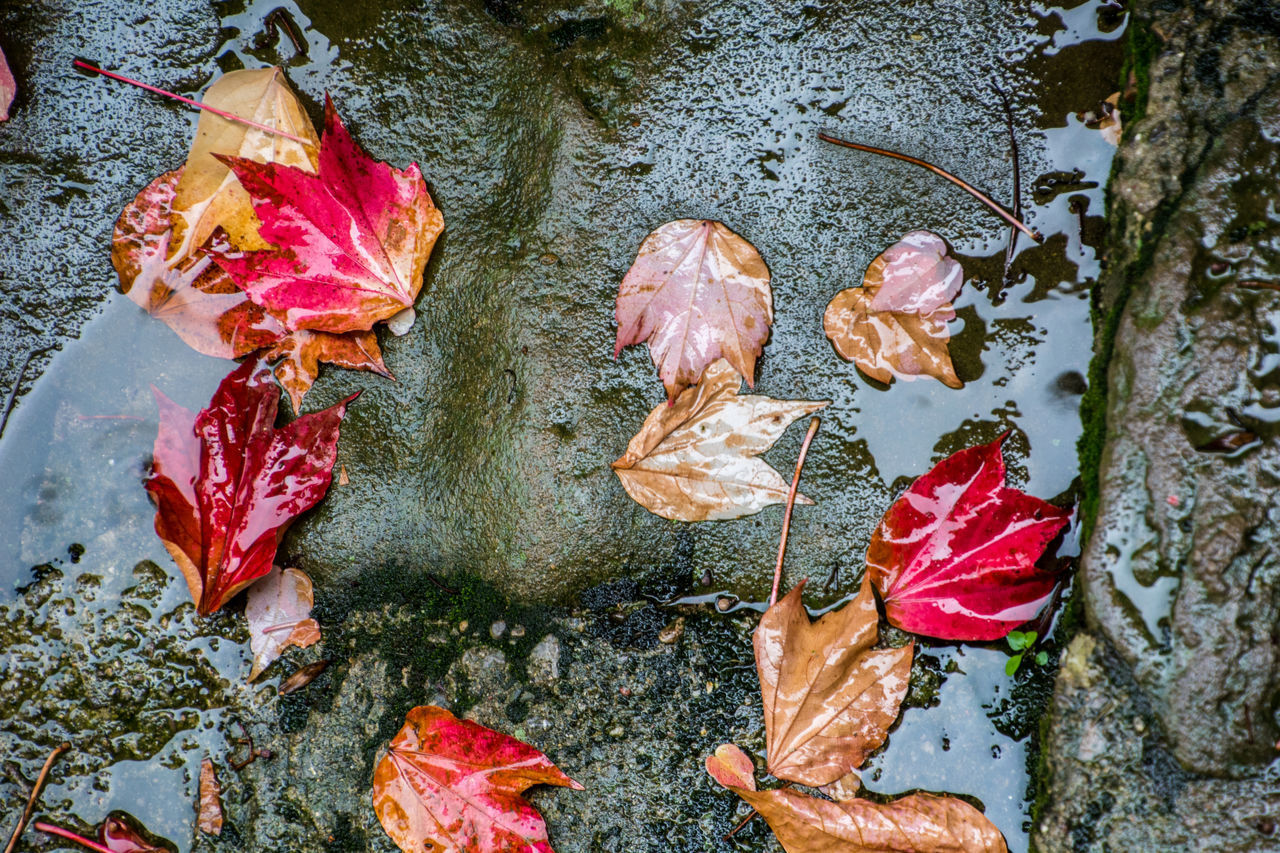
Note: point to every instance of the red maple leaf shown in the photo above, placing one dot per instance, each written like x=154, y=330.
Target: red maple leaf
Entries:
x=351, y=242
x=955, y=556
x=227, y=483
x=452, y=786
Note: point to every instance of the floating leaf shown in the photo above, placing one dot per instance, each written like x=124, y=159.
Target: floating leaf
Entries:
x=447, y=785
x=349, y=244
x=696, y=292
x=227, y=482
x=698, y=458
x=210, y=810
x=278, y=610
x=829, y=697
x=896, y=323
x=955, y=556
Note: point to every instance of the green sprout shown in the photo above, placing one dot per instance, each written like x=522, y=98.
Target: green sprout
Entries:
x=1022, y=642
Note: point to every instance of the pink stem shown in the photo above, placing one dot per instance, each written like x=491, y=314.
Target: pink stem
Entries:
x=230, y=116
x=65, y=833
x=283, y=626
x=786, y=518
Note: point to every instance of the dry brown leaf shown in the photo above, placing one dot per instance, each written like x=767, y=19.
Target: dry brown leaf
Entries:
x=210, y=813
x=209, y=195
x=698, y=459
x=919, y=823
x=895, y=324
x=696, y=292
x=829, y=698
x=278, y=610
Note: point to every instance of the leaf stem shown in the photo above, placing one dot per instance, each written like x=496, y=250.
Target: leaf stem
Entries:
x=229, y=116
x=791, y=502
x=971, y=190
x=65, y=833
x=35, y=796
x=1017, y=178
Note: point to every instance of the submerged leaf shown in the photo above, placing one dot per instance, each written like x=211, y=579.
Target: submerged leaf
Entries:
x=210, y=809
x=829, y=697
x=955, y=556
x=696, y=292
x=895, y=324
x=278, y=611
x=227, y=482
x=350, y=243
x=698, y=458
x=119, y=836
x=448, y=785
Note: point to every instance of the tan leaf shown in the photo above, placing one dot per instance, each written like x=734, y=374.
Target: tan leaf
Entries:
x=919, y=823
x=210, y=814
x=209, y=195
x=895, y=324
x=731, y=767
x=698, y=459
x=829, y=698
x=278, y=610
x=696, y=292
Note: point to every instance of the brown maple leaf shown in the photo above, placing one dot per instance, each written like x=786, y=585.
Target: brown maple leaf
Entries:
x=696, y=292
x=895, y=324
x=829, y=698
x=698, y=458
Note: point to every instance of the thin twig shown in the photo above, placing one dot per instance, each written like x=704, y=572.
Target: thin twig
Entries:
x=230, y=116
x=57, y=830
x=1017, y=179
x=791, y=502
x=973, y=191
x=35, y=796
x=1259, y=285
x=17, y=384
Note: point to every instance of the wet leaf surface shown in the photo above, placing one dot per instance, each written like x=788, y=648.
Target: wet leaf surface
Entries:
x=350, y=244
x=303, y=676
x=119, y=836
x=698, y=459
x=829, y=697
x=278, y=610
x=895, y=324
x=447, y=784
x=732, y=767
x=955, y=556
x=209, y=816
x=227, y=482
x=8, y=88
x=301, y=353
x=696, y=292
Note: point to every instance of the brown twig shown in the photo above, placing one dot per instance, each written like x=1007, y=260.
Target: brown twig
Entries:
x=1017, y=179
x=924, y=164
x=786, y=518
x=1259, y=285
x=17, y=385
x=35, y=796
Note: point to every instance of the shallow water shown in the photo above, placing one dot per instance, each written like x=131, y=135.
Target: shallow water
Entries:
x=606, y=137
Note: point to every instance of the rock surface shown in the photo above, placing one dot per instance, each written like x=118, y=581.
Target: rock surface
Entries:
x=1164, y=727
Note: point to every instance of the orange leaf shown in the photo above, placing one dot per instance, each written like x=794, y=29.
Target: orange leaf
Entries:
x=210, y=813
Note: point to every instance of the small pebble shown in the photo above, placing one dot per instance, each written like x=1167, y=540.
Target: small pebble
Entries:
x=517, y=631
x=497, y=629
x=672, y=632
x=617, y=731
x=463, y=626
x=723, y=603
x=706, y=578
x=548, y=259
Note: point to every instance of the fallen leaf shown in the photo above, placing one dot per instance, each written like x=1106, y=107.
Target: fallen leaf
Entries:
x=1109, y=121
x=278, y=610
x=698, y=458
x=829, y=697
x=447, y=784
x=227, y=482
x=955, y=556
x=731, y=767
x=919, y=823
x=119, y=836
x=191, y=295
x=8, y=88
x=210, y=811
x=301, y=352
x=350, y=244
x=895, y=324
x=209, y=196
x=303, y=676
x=343, y=479
x=696, y=292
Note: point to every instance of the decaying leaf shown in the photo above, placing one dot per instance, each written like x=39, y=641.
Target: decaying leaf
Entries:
x=731, y=767
x=301, y=352
x=696, y=292
x=303, y=676
x=278, y=610
x=698, y=458
x=449, y=785
x=209, y=196
x=955, y=556
x=209, y=815
x=919, y=823
x=227, y=482
x=349, y=244
x=895, y=324
x=829, y=698
x=8, y=88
